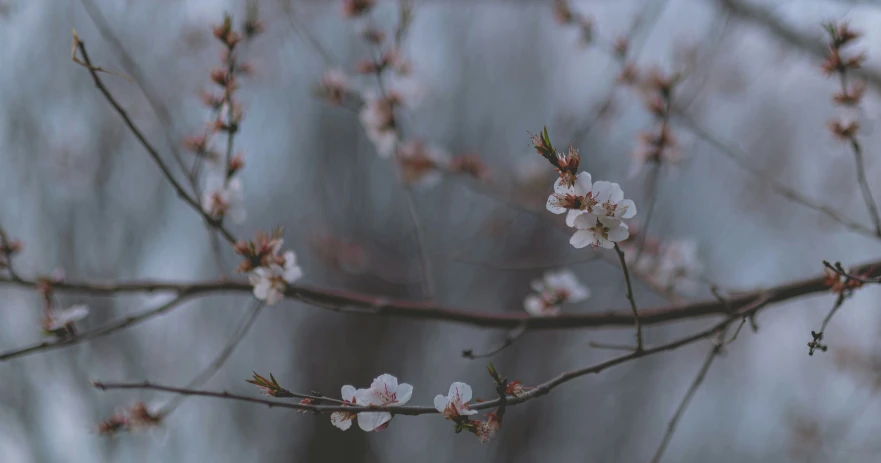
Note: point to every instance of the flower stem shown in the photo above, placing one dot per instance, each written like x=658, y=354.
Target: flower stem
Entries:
x=639, y=344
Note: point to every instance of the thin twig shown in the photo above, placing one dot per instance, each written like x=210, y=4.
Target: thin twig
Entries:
x=817, y=336
x=510, y=338
x=864, y=184
x=762, y=16
x=212, y=368
x=424, y=261
x=739, y=158
x=671, y=425
x=109, y=328
x=630, y=298
x=7, y=254
x=373, y=305
x=182, y=194
x=837, y=268
x=303, y=33
x=755, y=305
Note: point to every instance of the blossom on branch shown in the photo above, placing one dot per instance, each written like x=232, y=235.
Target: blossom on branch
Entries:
x=598, y=232
x=378, y=118
x=384, y=391
x=421, y=164
x=225, y=199
x=270, y=282
x=455, y=405
x=553, y=289
x=269, y=273
x=343, y=420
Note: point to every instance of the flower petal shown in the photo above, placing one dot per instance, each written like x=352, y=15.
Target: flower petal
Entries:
x=369, y=421
x=460, y=390
x=440, y=403
x=572, y=215
x=582, y=184
x=533, y=304
x=384, y=381
x=554, y=205
x=628, y=209
x=581, y=239
x=348, y=393
x=584, y=221
x=404, y=392
x=341, y=420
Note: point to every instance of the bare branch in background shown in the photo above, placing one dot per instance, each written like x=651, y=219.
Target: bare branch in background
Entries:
x=109, y=328
x=763, y=17
x=215, y=365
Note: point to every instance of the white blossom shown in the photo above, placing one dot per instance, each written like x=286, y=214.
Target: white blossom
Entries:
x=421, y=164
x=56, y=319
x=270, y=282
x=600, y=231
x=455, y=404
x=378, y=118
x=384, y=391
x=578, y=199
x=612, y=202
x=292, y=272
x=225, y=200
x=554, y=288
x=343, y=420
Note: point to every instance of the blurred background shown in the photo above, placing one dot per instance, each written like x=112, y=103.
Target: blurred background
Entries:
x=81, y=194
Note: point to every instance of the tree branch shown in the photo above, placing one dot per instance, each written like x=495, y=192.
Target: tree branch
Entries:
x=166, y=171
x=531, y=394
x=109, y=328
x=348, y=301
x=763, y=17
x=630, y=298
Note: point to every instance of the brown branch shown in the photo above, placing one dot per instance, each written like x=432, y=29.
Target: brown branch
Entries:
x=630, y=298
x=864, y=184
x=215, y=365
x=166, y=171
x=348, y=301
x=739, y=158
x=758, y=303
x=837, y=268
x=510, y=338
x=680, y=410
x=763, y=17
x=397, y=410
x=109, y=328
x=494, y=192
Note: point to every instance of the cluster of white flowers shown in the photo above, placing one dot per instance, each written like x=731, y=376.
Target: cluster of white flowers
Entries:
x=383, y=392
x=268, y=272
x=270, y=282
x=596, y=209
x=673, y=265
x=554, y=288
